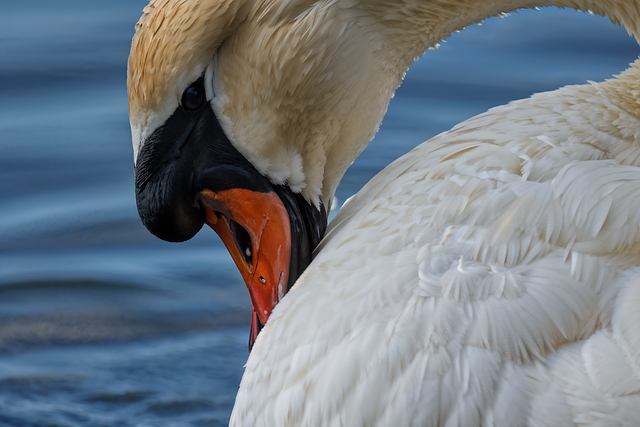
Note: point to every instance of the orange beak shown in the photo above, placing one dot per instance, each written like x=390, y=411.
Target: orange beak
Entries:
x=256, y=230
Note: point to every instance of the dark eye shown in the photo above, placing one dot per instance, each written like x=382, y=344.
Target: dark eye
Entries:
x=193, y=97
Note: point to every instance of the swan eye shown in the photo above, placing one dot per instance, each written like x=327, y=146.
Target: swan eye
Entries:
x=193, y=97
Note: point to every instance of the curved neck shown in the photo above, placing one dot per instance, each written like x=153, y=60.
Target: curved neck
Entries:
x=401, y=31
x=329, y=73
x=405, y=29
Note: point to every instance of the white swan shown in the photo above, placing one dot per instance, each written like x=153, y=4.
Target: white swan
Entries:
x=491, y=276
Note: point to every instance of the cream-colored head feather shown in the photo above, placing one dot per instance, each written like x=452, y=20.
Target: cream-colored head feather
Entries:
x=173, y=43
x=292, y=87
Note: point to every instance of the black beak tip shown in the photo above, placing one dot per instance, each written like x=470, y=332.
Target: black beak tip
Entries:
x=172, y=222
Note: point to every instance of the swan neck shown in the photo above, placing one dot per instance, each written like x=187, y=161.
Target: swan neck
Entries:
x=406, y=29
x=401, y=31
x=317, y=77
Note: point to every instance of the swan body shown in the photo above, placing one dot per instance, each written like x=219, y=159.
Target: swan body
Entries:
x=513, y=245
x=491, y=276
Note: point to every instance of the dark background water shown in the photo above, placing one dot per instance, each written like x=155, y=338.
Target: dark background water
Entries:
x=103, y=325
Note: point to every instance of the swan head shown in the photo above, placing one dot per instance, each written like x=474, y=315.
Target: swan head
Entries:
x=206, y=152
x=245, y=114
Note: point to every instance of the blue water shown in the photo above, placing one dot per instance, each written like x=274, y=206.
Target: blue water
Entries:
x=100, y=323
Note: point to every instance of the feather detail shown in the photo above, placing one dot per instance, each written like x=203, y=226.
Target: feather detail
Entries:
x=489, y=276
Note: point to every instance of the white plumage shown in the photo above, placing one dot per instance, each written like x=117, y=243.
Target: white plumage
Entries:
x=488, y=277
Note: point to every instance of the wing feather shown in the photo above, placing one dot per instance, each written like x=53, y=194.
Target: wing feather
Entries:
x=490, y=276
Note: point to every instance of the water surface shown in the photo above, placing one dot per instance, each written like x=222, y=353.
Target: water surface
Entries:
x=102, y=324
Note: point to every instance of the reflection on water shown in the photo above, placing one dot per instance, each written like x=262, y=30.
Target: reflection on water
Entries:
x=101, y=323
x=185, y=378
